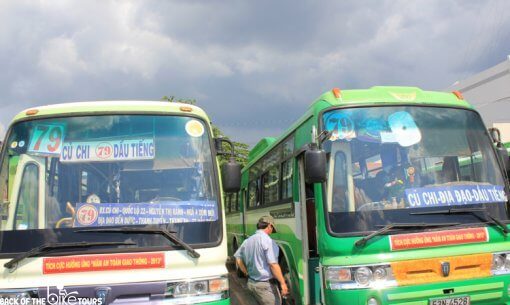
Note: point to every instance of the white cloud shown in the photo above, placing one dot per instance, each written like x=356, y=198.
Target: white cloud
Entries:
x=239, y=58
x=2, y=132
x=60, y=60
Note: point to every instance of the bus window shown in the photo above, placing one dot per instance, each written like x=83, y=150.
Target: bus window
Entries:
x=253, y=194
x=287, y=179
x=415, y=158
x=27, y=206
x=270, y=180
x=340, y=202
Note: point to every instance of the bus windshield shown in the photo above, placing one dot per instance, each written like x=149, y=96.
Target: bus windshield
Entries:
x=60, y=175
x=387, y=162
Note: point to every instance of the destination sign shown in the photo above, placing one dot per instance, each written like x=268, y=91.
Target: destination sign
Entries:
x=109, y=150
x=454, y=195
x=122, y=214
x=46, y=139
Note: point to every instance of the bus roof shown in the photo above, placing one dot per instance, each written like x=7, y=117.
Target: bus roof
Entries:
x=114, y=107
x=381, y=95
x=377, y=96
x=261, y=146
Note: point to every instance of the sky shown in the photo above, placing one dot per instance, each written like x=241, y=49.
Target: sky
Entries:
x=253, y=66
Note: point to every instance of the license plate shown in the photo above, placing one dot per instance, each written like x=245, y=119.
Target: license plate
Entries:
x=451, y=301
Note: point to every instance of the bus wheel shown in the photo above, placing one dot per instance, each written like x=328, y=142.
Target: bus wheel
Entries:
x=289, y=299
x=239, y=273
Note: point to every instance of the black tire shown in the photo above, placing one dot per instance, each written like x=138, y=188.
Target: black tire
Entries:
x=291, y=298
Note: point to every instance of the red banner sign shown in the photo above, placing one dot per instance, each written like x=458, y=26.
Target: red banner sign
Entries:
x=102, y=262
x=438, y=238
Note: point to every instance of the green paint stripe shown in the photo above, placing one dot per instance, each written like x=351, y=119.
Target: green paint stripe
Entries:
x=439, y=292
x=476, y=297
x=413, y=303
x=414, y=294
x=497, y=285
x=486, y=296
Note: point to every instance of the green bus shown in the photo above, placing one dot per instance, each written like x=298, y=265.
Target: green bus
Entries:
x=389, y=195
x=113, y=202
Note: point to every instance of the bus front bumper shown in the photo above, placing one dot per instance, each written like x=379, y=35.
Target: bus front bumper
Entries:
x=487, y=291
x=154, y=293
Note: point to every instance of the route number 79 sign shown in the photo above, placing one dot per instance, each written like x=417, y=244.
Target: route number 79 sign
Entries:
x=46, y=139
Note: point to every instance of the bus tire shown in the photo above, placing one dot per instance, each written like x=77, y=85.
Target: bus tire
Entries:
x=291, y=298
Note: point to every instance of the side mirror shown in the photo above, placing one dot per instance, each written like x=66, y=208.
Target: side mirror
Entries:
x=315, y=165
x=495, y=135
x=503, y=155
x=231, y=176
x=218, y=145
x=500, y=148
x=230, y=171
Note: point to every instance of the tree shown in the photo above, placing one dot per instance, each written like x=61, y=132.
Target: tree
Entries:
x=180, y=100
x=241, y=150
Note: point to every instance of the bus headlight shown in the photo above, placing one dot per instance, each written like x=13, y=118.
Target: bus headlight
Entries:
x=380, y=273
x=366, y=276
x=207, y=287
x=363, y=276
x=199, y=287
x=218, y=285
x=179, y=289
x=337, y=274
x=19, y=296
x=500, y=263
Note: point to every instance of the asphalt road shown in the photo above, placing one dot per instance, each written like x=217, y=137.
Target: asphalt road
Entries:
x=239, y=294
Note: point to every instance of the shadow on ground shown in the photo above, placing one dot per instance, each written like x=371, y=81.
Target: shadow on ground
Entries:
x=239, y=294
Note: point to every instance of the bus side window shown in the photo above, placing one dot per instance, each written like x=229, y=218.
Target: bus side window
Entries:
x=287, y=179
x=244, y=203
x=4, y=192
x=254, y=193
x=27, y=205
x=235, y=204
x=226, y=203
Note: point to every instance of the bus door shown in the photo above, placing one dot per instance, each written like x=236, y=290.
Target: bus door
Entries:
x=26, y=207
x=309, y=238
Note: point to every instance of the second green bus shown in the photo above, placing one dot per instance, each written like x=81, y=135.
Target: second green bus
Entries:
x=389, y=195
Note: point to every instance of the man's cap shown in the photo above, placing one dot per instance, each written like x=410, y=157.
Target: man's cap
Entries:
x=268, y=219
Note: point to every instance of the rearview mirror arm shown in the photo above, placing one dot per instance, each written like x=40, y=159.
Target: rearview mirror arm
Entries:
x=219, y=151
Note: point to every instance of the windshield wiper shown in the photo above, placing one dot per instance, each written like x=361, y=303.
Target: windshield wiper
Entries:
x=324, y=135
x=52, y=246
x=170, y=235
x=362, y=241
x=473, y=211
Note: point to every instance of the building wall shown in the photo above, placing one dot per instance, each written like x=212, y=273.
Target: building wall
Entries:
x=504, y=128
x=489, y=92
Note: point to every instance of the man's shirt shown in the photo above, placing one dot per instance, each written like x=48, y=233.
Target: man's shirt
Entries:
x=257, y=252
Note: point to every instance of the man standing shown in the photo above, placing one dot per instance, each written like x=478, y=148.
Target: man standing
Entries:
x=258, y=258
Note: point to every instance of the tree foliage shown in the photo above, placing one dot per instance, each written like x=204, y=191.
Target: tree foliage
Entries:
x=241, y=150
x=172, y=98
